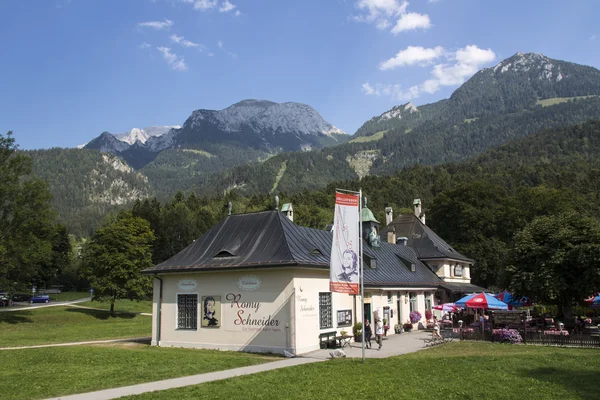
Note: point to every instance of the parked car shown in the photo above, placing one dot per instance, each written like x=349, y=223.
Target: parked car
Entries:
x=40, y=298
x=5, y=300
x=21, y=297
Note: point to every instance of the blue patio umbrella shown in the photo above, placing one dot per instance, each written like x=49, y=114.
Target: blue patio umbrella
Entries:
x=482, y=300
x=508, y=298
x=593, y=301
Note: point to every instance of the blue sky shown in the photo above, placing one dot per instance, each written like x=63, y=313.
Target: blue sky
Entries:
x=71, y=69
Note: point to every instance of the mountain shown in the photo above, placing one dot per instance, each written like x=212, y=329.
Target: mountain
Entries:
x=260, y=125
x=86, y=184
x=142, y=135
x=242, y=149
x=516, y=98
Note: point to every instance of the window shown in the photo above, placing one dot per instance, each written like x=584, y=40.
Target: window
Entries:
x=325, y=312
x=187, y=311
x=458, y=270
x=428, y=302
x=413, y=301
x=389, y=297
x=344, y=317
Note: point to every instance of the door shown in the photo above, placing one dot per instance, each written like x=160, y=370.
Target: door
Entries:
x=367, y=313
x=399, y=312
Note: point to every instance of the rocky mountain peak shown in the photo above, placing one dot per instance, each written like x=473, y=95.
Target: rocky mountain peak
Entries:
x=539, y=64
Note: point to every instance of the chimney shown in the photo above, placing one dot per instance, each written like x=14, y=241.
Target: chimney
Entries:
x=389, y=215
x=391, y=234
x=403, y=241
x=417, y=205
x=423, y=218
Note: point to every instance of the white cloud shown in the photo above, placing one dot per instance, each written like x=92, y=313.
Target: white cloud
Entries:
x=382, y=13
x=411, y=21
x=226, y=6
x=220, y=44
x=144, y=45
x=412, y=55
x=205, y=5
x=176, y=62
x=592, y=37
x=459, y=66
x=185, y=43
x=237, y=13
x=157, y=25
x=379, y=11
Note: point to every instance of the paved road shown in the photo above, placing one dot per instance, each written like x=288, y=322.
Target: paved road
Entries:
x=52, y=304
x=392, y=346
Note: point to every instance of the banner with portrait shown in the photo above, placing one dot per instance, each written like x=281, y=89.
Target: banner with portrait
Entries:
x=344, y=267
x=211, y=312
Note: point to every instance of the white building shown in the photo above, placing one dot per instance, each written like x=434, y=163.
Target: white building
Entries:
x=258, y=282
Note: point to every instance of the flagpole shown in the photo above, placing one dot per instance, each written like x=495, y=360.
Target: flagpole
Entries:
x=362, y=286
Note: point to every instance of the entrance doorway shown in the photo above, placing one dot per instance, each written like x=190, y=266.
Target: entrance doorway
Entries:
x=367, y=313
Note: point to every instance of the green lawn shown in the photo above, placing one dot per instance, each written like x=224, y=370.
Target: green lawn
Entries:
x=144, y=306
x=454, y=371
x=47, y=372
x=68, y=324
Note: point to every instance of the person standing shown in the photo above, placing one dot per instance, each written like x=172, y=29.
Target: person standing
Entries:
x=368, y=334
x=379, y=333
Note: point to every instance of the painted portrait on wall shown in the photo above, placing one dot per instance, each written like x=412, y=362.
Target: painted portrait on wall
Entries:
x=211, y=312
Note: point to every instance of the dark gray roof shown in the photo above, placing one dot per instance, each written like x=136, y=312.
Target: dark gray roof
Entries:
x=457, y=287
x=269, y=239
x=394, y=267
x=426, y=243
x=251, y=240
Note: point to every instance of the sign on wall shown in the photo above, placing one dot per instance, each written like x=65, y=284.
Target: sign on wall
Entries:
x=211, y=312
x=187, y=285
x=249, y=282
x=244, y=313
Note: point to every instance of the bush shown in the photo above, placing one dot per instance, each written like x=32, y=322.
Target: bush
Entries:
x=357, y=329
x=415, y=317
x=407, y=326
x=508, y=336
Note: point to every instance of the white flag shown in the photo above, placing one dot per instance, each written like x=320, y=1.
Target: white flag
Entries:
x=344, y=268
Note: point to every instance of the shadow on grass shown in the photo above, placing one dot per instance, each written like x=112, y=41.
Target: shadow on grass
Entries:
x=103, y=314
x=579, y=382
x=15, y=317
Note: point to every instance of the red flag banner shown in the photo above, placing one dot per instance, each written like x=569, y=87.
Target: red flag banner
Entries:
x=344, y=267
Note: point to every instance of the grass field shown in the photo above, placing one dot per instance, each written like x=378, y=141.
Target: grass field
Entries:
x=371, y=138
x=144, y=306
x=47, y=372
x=67, y=324
x=454, y=371
x=558, y=100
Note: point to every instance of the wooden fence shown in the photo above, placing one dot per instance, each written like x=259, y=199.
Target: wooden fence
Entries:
x=534, y=338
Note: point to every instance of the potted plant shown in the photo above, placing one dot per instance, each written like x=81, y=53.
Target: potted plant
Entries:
x=428, y=314
x=357, y=331
x=397, y=329
x=385, y=327
x=407, y=327
x=343, y=333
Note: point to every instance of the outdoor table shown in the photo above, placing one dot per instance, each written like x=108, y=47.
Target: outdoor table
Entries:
x=343, y=340
x=557, y=333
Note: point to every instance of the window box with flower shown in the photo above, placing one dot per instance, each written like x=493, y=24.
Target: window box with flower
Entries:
x=407, y=327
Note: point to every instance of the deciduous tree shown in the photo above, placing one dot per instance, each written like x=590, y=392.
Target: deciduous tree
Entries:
x=116, y=255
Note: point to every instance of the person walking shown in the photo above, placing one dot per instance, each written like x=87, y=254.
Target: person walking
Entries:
x=379, y=333
x=436, y=330
x=368, y=334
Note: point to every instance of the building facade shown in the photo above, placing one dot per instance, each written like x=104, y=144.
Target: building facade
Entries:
x=258, y=282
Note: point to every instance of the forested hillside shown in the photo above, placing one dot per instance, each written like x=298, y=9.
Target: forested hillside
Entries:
x=86, y=184
x=477, y=205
